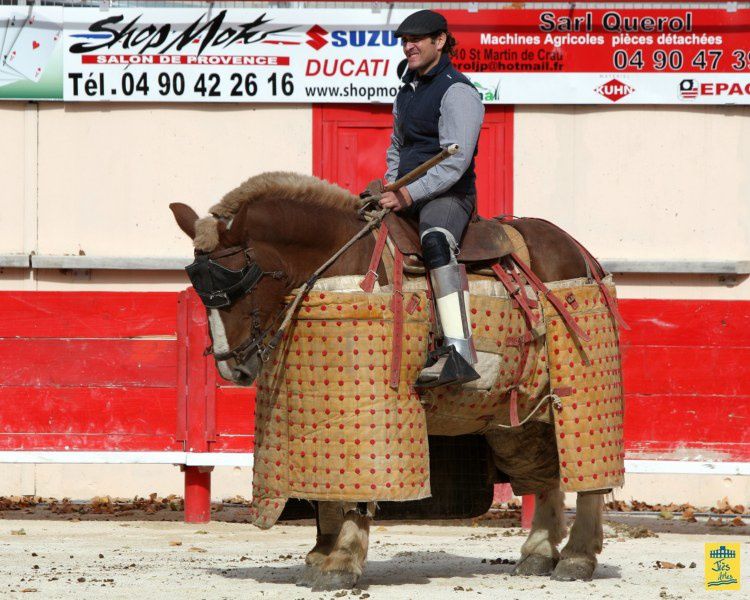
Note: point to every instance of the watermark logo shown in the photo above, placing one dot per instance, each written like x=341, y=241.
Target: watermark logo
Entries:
x=722, y=566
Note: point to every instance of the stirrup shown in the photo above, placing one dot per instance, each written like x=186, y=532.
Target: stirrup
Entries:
x=455, y=370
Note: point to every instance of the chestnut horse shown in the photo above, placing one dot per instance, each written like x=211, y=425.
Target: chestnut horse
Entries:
x=286, y=226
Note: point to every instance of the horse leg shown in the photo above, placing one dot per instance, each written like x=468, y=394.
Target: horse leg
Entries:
x=578, y=557
x=329, y=517
x=528, y=455
x=539, y=553
x=343, y=567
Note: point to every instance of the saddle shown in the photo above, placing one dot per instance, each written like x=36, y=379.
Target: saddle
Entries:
x=485, y=240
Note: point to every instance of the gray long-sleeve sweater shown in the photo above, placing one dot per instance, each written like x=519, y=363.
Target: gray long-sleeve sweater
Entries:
x=461, y=116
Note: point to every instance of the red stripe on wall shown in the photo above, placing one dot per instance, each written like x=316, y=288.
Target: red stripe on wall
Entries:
x=687, y=380
x=703, y=371
x=235, y=411
x=686, y=323
x=86, y=315
x=52, y=362
x=685, y=372
x=698, y=414
x=89, y=442
x=88, y=410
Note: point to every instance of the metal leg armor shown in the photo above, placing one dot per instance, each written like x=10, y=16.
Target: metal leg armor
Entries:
x=451, y=363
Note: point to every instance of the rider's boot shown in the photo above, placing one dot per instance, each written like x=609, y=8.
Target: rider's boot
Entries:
x=452, y=362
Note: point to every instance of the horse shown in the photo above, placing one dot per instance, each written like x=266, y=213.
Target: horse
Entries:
x=286, y=225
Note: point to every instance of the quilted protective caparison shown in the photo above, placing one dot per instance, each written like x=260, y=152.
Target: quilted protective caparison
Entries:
x=329, y=427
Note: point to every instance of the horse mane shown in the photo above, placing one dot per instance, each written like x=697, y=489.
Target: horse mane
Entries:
x=278, y=187
x=283, y=186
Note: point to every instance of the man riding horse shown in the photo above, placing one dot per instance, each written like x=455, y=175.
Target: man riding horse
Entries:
x=437, y=106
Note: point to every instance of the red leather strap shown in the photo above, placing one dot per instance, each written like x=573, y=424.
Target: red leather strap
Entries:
x=368, y=283
x=595, y=269
x=397, y=306
x=611, y=302
x=517, y=342
x=514, y=290
x=513, y=408
x=522, y=286
x=554, y=300
x=413, y=303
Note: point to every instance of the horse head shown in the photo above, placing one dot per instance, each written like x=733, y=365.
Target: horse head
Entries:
x=242, y=283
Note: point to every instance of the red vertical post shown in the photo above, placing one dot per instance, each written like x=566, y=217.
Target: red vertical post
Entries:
x=527, y=510
x=198, y=408
x=197, y=494
x=502, y=493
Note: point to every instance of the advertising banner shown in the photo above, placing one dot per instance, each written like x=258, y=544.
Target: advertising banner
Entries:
x=514, y=56
x=231, y=55
x=629, y=56
x=31, y=52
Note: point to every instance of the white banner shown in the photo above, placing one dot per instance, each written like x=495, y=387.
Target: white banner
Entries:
x=519, y=56
x=231, y=55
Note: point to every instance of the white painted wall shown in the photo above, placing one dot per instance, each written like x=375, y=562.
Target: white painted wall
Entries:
x=108, y=172
x=14, y=144
x=642, y=183
x=98, y=178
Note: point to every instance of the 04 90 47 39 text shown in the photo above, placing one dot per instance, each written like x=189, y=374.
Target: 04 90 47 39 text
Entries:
x=175, y=84
x=678, y=60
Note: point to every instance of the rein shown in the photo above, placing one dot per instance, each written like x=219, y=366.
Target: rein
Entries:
x=289, y=310
x=254, y=343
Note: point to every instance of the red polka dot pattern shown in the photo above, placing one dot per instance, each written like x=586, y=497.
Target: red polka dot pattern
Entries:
x=327, y=424
x=496, y=325
x=588, y=378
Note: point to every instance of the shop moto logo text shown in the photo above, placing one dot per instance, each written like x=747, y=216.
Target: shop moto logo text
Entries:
x=162, y=38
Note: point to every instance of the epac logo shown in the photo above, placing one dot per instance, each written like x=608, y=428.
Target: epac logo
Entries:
x=688, y=89
x=614, y=90
x=318, y=37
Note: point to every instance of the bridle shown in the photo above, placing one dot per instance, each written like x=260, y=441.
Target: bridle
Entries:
x=218, y=287
x=208, y=277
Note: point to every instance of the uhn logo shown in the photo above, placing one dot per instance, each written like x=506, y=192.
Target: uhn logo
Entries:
x=358, y=39
x=614, y=90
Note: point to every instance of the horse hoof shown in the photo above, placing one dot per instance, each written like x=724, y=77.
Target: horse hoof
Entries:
x=328, y=581
x=535, y=565
x=574, y=569
x=309, y=575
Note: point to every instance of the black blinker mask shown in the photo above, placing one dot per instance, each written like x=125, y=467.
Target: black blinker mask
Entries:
x=219, y=286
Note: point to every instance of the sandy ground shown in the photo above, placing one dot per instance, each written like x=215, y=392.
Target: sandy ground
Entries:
x=94, y=558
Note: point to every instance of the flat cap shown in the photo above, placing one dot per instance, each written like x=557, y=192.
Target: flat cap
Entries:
x=422, y=22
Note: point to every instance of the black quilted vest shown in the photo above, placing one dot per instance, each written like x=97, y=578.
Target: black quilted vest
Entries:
x=418, y=114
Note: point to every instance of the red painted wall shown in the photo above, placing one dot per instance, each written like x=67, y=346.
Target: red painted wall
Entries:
x=349, y=144
x=687, y=378
x=82, y=371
